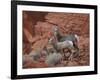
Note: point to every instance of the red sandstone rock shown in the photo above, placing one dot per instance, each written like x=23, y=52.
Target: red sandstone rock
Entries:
x=38, y=28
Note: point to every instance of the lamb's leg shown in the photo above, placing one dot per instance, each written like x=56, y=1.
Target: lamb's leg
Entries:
x=63, y=54
x=71, y=55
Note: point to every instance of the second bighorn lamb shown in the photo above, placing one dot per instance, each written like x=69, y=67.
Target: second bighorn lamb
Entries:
x=53, y=59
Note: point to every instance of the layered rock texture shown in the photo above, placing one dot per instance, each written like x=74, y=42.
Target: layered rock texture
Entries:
x=37, y=29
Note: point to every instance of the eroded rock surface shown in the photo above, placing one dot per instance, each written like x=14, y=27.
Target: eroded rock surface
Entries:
x=39, y=26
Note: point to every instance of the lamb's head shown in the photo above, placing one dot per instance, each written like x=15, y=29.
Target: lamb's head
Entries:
x=52, y=40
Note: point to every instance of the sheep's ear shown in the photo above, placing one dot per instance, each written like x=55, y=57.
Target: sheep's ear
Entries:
x=54, y=27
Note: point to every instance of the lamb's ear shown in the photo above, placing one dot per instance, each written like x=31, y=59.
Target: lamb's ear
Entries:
x=54, y=28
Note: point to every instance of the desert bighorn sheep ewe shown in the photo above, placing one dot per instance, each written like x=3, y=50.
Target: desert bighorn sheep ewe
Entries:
x=71, y=37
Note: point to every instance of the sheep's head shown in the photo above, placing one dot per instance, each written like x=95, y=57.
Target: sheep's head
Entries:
x=55, y=30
